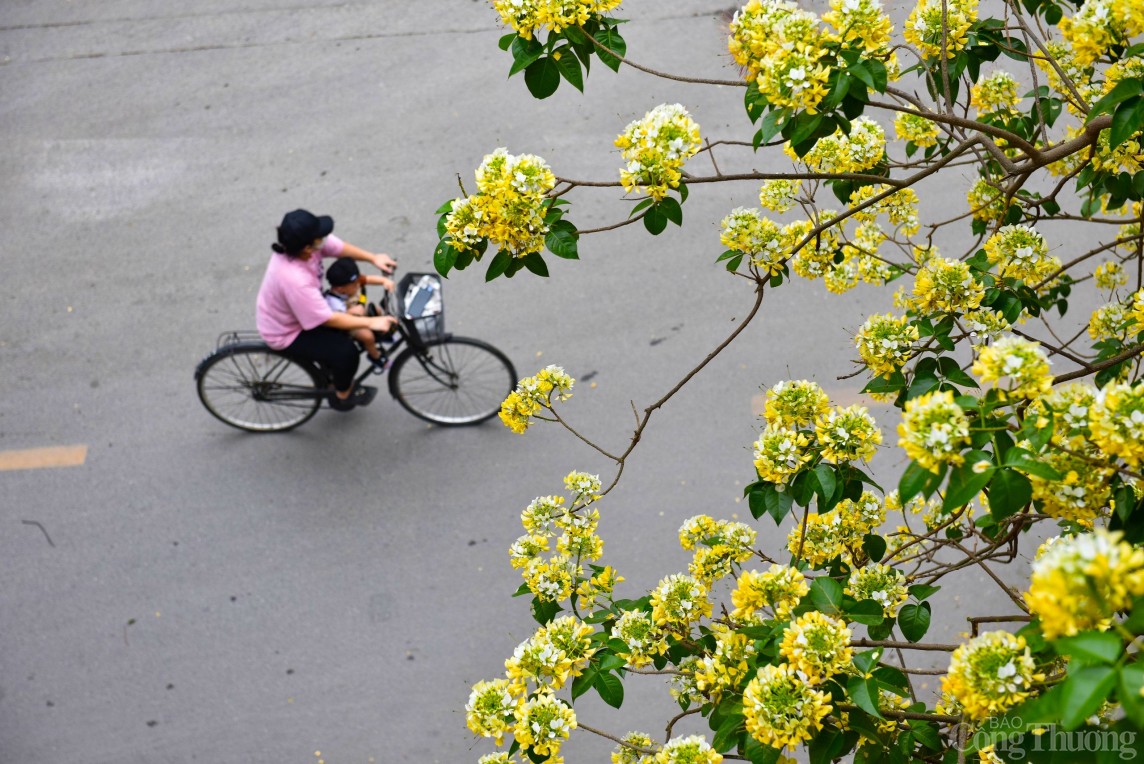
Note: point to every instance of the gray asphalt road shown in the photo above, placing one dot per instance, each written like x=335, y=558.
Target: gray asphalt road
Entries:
x=184, y=592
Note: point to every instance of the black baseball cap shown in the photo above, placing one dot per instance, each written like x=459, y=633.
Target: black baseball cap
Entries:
x=343, y=271
x=301, y=228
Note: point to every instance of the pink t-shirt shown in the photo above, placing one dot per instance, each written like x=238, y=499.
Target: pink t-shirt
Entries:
x=290, y=299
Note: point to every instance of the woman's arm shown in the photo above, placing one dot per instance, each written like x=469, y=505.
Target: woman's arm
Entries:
x=346, y=322
x=382, y=261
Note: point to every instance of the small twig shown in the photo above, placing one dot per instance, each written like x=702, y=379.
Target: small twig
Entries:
x=42, y=528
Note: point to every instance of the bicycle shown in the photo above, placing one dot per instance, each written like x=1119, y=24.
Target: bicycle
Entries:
x=437, y=377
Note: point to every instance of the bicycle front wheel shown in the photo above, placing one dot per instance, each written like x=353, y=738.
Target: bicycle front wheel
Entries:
x=453, y=381
x=254, y=388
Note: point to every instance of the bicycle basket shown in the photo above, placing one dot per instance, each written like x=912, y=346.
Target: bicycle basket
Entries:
x=422, y=309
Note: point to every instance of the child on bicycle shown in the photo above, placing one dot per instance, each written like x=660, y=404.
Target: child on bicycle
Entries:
x=347, y=295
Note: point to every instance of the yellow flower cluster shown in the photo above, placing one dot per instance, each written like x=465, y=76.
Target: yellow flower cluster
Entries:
x=934, y=430
x=916, y=129
x=718, y=545
x=1020, y=361
x=556, y=653
x=1019, y=252
x=881, y=583
x=555, y=578
x=779, y=194
x=781, y=708
x=1117, y=421
x=861, y=149
x=816, y=646
x=534, y=393
x=644, y=640
x=986, y=201
x=862, y=22
x=945, y=286
x=656, y=148
x=1109, y=276
x=508, y=208
x=990, y=674
x=816, y=257
x=727, y=665
x=940, y=27
x=1079, y=75
x=630, y=750
x=795, y=403
x=781, y=47
x=1109, y=321
x=837, y=533
x=839, y=435
x=1096, y=27
x=679, y=601
x=985, y=325
x=1138, y=311
x=885, y=343
x=779, y=589
x=543, y=723
x=691, y=749
x=995, y=95
x=847, y=434
x=489, y=711
x=761, y=239
x=1081, y=495
x=900, y=207
x=1080, y=582
x=529, y=17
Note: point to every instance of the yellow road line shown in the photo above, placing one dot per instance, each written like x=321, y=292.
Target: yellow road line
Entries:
x=38, y=458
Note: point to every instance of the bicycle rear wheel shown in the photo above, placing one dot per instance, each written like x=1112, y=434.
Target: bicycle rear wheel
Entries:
x=452, y=381
x=254, y=388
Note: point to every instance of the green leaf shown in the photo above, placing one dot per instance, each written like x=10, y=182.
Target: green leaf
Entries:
x=444, y=258
x=778, y=505
x=965, y=482
x=1131, y=682
x=544, y=610
x=867, y=661
x=772, y=124
x=1083, y=692
x=542, y=77
x=569, y=66
x=506, y=40
x=921, y=592
x=918, y=480
x=864, y=692
x=1125, y=89
x=498, y=265
x=826, y=480
x=563, y=243
x=1092, y=646
x=802, y=127
x=728, y=733
x=672, y=210
x=535, y=263
x=611, y=689
x=757, y=753
x=826, y=595
x=860, y=71
x=655, y=221
x=1019, y=458
x=611, y=39
x=1125, y=121
x=1009, y=491
x=867, y=612
x=874, y=546
x=583, y=683
x=914, y=620
x=524, y=52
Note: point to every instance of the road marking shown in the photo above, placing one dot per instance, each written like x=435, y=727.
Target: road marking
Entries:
x=39, y=458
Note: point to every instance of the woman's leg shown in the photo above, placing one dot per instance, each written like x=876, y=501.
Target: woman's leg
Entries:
x=332, y=348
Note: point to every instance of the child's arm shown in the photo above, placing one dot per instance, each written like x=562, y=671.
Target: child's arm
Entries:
x=380, y=280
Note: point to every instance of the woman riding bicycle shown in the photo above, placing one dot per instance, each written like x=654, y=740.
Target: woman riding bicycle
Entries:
x=293, y=316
